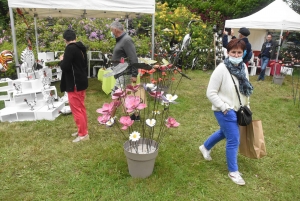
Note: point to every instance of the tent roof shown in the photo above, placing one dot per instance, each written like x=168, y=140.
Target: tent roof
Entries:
x=277, y=15
x=85, y=8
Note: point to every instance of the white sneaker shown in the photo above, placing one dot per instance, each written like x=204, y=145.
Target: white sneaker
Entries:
x=74, y=134
x=236, y=178
x=205, y=153
x=82, y=138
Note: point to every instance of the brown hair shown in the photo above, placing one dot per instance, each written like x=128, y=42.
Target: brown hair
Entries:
x=236, y=44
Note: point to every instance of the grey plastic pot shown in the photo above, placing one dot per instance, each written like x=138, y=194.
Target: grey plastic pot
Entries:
x=278, y=79
x=140, y=165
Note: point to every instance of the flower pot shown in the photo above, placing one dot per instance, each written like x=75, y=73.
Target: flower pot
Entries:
x=141, y=164
x=278, y=79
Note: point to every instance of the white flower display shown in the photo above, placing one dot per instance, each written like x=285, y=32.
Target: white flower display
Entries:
x=151, y=122
x=134, y=136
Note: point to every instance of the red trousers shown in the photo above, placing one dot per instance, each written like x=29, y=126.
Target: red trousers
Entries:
x=76, y=101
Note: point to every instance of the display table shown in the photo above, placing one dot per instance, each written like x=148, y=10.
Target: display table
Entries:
x=108, y=83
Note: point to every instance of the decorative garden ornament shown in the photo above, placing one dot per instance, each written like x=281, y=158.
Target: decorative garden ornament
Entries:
x=6, y=57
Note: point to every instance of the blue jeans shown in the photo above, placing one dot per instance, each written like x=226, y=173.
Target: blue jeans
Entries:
x=228, y=129
x=264, y=63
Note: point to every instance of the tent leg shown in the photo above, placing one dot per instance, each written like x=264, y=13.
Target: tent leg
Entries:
x=36, y=35
x=279, y=45
x=13, y=33
x=153, y=43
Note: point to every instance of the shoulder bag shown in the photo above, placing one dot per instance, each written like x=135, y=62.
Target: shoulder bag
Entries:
x=244, y=115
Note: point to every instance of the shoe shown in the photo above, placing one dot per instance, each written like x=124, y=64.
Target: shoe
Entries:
x=82, y=138
x=236, y=178
x=205, y=153
x=74, y=134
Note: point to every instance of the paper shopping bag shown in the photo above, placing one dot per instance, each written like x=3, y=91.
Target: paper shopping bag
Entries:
x=252, y=142
x=141, y=93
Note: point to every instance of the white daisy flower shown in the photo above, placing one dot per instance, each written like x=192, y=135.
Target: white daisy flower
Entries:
x=151, y=122
x=171, y=98
x=134, y=136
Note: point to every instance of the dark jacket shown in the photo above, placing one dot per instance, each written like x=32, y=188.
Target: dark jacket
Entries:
x=247, y=57
x=74, y=68
x=269, y=51
x=125, y=48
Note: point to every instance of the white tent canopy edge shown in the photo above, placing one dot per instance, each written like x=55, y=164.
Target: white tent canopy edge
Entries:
x=276, y=16
x=87, y=8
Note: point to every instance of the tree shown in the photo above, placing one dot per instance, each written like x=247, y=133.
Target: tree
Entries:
x=229, y=9
x=294, y=4
x=4, y=16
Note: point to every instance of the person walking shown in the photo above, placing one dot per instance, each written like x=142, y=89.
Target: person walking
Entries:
x=73, y=64
x=268, y=50
x=225, y=103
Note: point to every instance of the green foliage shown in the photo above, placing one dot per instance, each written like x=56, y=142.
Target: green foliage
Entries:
x=4, y=14
x=51, y=63
x=295, y=4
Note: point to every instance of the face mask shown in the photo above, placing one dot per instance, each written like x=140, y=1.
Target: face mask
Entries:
x=235, y=61
x=112, y=34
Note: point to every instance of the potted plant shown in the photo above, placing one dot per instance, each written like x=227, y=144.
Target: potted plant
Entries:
x=143, y=113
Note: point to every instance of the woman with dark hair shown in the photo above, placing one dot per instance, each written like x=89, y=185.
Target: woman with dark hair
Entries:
x=225, y=102
x=74, y=81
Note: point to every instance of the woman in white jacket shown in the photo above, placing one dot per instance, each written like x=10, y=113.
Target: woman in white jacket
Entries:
x=225, y=102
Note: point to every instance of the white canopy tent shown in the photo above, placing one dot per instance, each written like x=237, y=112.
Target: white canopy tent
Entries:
x=79, y=8
x=276, y=16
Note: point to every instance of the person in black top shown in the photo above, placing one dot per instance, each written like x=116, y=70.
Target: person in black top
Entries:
x=74, y=81
x=268, y=51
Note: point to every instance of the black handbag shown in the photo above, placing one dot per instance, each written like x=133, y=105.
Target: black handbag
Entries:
x=244, y=114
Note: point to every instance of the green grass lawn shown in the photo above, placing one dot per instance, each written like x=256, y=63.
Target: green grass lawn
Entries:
x=38, y=160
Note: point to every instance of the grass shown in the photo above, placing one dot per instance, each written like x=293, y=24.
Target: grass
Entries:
x=38, y=160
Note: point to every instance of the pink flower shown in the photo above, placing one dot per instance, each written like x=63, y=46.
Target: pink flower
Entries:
x=118, y=93
x=132, y=88
x=103, y=119
x=126, y=121
x=134, y=102
x=171, y=122
x=106, y=108
x=156, y=94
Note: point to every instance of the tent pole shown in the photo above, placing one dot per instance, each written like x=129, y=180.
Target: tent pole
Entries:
x=279, y=45
x=152, y=41
x=36, y=35
x=277, y=56
x=13, y=33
